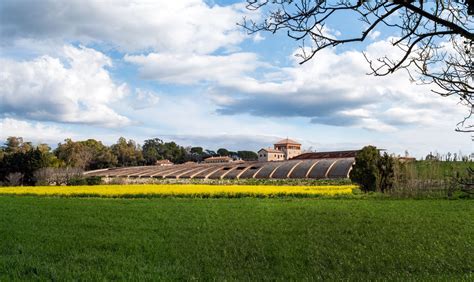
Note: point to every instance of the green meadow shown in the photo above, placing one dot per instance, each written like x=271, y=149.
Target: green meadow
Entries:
x=47, y=238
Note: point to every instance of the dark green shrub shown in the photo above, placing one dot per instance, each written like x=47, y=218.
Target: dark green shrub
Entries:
x=372, y=171
x=386, y=170
x=365, y=170
x=94, y=180
x=76, y=181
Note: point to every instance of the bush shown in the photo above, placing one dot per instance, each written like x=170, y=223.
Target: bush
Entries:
x=76, y=181
x=94, y=180
x=56, y=176
x=14, y=179
x=372, y=171
x=365, y=170
x=80, y=180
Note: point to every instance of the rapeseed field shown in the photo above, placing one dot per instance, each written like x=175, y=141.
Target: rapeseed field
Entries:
x=170, y=190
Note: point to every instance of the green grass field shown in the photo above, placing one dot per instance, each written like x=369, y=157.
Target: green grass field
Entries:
x=244, y=239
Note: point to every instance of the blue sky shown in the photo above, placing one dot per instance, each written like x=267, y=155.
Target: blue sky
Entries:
x=184, y=71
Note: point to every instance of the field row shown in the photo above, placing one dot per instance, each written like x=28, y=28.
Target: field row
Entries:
x=170, y=190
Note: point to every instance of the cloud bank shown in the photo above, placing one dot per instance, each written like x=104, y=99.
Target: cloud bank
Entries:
x=74, y=89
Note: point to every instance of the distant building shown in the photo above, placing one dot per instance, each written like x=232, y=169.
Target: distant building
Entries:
x=284, y=149
x=163, y=162
x=212, y=160
x=269, y=155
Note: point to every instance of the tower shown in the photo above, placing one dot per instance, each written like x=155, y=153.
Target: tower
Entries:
x=289, y=147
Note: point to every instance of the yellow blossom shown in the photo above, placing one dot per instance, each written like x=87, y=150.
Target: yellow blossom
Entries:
x=180, y=190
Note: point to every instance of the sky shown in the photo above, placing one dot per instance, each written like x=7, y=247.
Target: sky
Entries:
x=184, y=71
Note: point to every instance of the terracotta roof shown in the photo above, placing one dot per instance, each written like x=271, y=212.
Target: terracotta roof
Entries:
x=270, y=150
x=287, y=141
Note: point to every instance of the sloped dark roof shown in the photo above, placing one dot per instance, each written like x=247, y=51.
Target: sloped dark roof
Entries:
x=327, y=155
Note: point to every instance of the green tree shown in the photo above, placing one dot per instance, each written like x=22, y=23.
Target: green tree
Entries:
x=197, y=150
x=365, y=170
x=128, y=153
x=13, y=144
x=223, y=152
x=151, y=150
x=247, y=155
x=173, y=152
x=386, y=169
x=25, y=163
x=87, y=155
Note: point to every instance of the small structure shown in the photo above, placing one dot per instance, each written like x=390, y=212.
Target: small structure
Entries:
x=284, y=149
x=270, y=155
x=213, y=160
x=163, y=162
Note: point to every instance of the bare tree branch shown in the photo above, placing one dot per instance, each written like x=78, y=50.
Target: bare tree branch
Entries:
x=436, y=38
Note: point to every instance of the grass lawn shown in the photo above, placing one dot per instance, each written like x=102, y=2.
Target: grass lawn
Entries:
x=244, y=239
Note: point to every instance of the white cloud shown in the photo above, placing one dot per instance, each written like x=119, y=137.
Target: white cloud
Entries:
x=32, y=131
x=334, y=89
x=192, y=69
x=258, y=37
x=77, y=89
x=185, y=26
x=374, y=34
x=145, y=99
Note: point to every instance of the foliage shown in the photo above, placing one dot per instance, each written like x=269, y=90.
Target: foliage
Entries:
x=87, y=155
x=155, y=149
x=372, y=171
x=197, y=150
x=57, y=176
x=82, y=181
x=386, y=169
x=365, y=170
x=77, y=181
x=235, y=239
x=223, y=152
x=199, y=191
x=14, y=179
x=128, y=153
x=22, y=157
x=247, y=155
x=430, y=178
x=94, y=180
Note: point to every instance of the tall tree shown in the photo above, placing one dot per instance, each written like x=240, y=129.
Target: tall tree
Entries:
x=87, y=155
x=151, y=150
x=365, y=171
x=247, y=155
x=223, y=152
x=128, y=153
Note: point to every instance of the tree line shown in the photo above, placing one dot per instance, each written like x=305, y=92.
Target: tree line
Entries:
x=20, y=160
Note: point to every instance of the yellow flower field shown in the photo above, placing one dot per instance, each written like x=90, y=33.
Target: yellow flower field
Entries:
x=163, y=190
